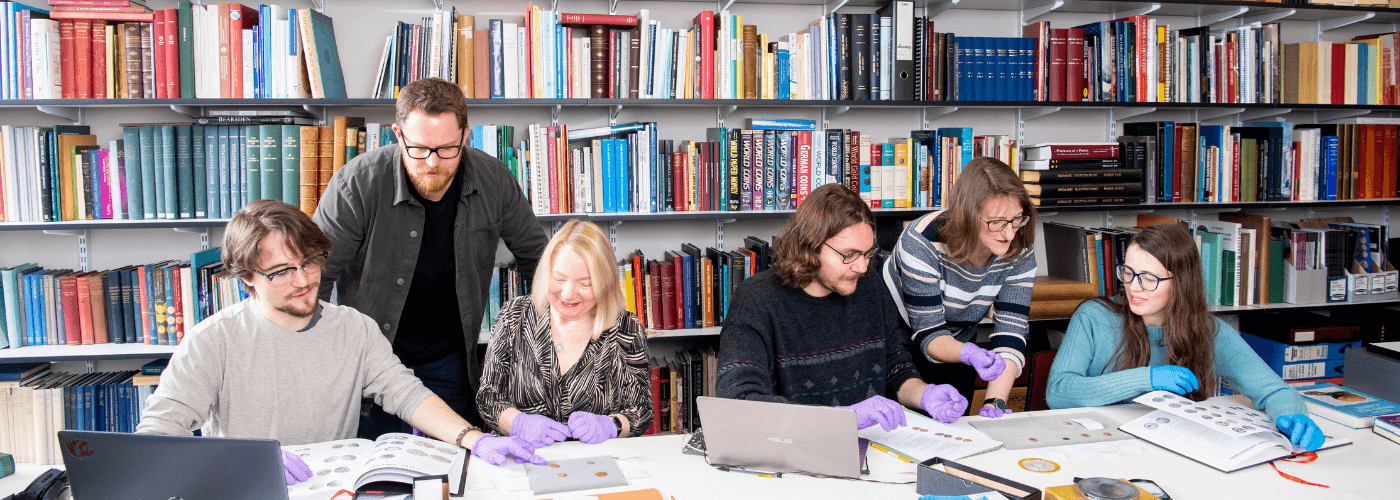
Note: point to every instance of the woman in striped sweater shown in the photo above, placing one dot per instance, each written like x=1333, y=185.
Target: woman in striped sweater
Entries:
x=952, y=268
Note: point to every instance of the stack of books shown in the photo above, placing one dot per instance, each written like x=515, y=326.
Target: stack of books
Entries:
x=1085, y=173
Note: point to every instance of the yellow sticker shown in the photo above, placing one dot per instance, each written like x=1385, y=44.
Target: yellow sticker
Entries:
x=1040, y=465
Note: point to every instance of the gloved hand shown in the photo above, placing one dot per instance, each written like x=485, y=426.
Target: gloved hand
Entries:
x=943, y=402
x=591, y=428
x=878, y=410
x=495, y=449
x=988, y=364
x=1173, y=378
x=537, y=431
x=990, y=411
x=1301, y=431
x=294, y=469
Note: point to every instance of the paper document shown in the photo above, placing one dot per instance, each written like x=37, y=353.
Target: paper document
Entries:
x=924, y=438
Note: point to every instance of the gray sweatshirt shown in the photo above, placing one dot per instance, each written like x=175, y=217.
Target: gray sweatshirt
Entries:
x=239, y=375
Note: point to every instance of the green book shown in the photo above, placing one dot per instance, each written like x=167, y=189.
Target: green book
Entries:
x=200, y=181
x=1249, y=170
x=184, y=171
x=323, y=58
x=271, y=162
x=252, y=160
x=171, y=192
x=146, y=155
x=186, y=41
x=158, y=174
x=291, y=164
x=1275, y=271
x=1210, y=262
x=82, y=162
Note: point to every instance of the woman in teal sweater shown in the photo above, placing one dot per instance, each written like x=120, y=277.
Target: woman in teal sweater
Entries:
x=1159, y=335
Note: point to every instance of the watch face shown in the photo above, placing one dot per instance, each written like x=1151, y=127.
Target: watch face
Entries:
x=997, y=402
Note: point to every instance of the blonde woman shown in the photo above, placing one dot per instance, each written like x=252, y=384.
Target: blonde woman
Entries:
x=569, y=360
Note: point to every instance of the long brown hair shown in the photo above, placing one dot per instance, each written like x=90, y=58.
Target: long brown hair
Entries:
x=825, y=212
x=1189, y=329
x=982, y=179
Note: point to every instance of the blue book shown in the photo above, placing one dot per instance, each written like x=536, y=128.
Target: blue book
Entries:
x=146, y=140
x=259, y=52
x=964, y=137
x=781, y=124
x=1275, y=353
x=1005, y=76
x=130, y=305
x=158, y=147
x=179, y=175
x=131, y=145
x=1343, y=405
x=784, y=85
x=497, y=64
x=1280, y=149
x=219, y=148
x=1329, y=166
x=688, y=278
x=624, y=163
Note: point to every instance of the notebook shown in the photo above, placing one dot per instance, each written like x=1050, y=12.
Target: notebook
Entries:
x=122, y=466
x=778, y=437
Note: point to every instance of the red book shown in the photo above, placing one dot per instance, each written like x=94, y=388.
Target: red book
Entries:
x=639, y=287
x=553, y=169
x=678, y=285
x=82, y=51
x=654, y=383
x=66, y=49
x=706, y=21
x=172, y=53
x=804, y=164
x=1235, y=171
x=102, y=16
x=98, y=295
x=1063, y=151
x=160, y=57
x=679, y=192
x=89, y=3
x=142, y=304
x=853, y=160
x=1339, y=69
x=592, y=19
x=1075, y=83
x=481, y=57
x=127, y=9
x=1138, y=24
x=1043, y=36
x=99, y=59
x=68, y=290
x=175, y=312
x=1388, y=160
x=654, y=315
x=239, y=19
x=668, y=295
x=702, y=175
x=876, y=157
x=1059, y=47
x=84, y=292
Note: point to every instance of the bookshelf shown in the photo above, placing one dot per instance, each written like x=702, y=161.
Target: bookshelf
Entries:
x=110, y=244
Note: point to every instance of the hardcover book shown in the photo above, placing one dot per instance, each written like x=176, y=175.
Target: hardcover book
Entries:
x=1345, y=406
x=395, y=457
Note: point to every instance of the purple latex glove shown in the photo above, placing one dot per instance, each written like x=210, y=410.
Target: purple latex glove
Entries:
x=990, y=411
x=496, y=449
x=537, y=431
x=988, y=364
x=943, y=402
x=878, y=410
x=591, y=428
x=294, y=469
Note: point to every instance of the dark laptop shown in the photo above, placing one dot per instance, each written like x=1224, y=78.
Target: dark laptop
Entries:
x=121, y=466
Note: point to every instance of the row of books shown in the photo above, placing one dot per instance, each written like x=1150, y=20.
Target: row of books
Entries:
x=170, y=171
x=1088, y=173
x=151, y=304
x=675, y=382
x=32, y=412
x=226, y=50
x=1273, y=161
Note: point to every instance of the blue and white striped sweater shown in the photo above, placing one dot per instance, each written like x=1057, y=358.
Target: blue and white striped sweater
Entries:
x=937, y=297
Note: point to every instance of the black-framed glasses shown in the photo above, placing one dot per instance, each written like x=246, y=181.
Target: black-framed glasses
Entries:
x=283, y=276
x=999, y=225
x=851, y=257
x=422, y=153
x=1146, y=280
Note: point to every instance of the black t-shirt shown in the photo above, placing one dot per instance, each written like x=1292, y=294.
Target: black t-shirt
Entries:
x=430, y=327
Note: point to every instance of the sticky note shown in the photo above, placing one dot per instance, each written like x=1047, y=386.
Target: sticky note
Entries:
x=1088, y=423
x=1102, y=447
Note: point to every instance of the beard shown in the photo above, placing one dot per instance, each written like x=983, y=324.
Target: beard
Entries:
x=427, y=186
x=295, y=310
x=834, y=286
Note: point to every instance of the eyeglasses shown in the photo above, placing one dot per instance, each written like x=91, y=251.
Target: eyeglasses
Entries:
x=1146, y=280
x=851, y=257
x=283, y=276
x=422, y=153
x=997, y=226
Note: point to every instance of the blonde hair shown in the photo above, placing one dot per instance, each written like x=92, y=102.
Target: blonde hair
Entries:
x=588, y=241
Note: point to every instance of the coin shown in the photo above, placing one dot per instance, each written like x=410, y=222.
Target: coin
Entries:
x=1040, y=465
x=601, y=474
x=561, y=474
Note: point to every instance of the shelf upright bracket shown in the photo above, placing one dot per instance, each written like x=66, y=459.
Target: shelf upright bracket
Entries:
x=838, y=6
x=1213, y=113
x=84, y=257
x=1254, y=115
x=554, y=114
x=74, y=115
x=1107, y=219
x=1331, y=24
x=612, y=232
x=1118, y=114
x=1025, y=114
x=1035, y=9
x=319, y=5
x=612, y=6
x=187, y=110
x=719, y=233
x=203, y=233
x=929, y=113
x=726, y=6
x=1327, y=116
x=1267, y=17
x=829, y=112
x=437, y=4
x=613, y=111
x=722, y=112
x=1140, y=11
x=1230, y=13
x=318, y=111
x=936, y=8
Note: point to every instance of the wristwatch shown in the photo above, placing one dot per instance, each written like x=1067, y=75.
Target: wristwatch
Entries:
x=618, y=423
x=997, y=402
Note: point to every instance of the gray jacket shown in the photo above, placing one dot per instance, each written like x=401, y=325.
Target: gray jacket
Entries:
x=373, y=221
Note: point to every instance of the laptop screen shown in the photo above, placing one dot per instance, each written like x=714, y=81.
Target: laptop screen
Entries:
x=778, y=437
x=121, y=466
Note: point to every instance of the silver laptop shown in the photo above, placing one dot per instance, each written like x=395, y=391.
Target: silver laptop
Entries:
x=121, y=466
x=778, y=437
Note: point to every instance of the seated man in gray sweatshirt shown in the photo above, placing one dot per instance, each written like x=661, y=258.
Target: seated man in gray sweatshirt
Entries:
x=283, y=365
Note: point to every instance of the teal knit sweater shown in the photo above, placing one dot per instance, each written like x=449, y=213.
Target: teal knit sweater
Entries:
x=1082, y=374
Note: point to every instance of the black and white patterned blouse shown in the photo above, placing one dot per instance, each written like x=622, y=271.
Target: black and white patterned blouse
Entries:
x=521, y=371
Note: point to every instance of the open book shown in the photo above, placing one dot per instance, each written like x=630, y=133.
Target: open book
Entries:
x=1217, y=432
x=348, y=464
x=924, y=438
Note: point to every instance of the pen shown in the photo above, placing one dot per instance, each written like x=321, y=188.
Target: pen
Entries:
x=890, y=452
x=778, y=475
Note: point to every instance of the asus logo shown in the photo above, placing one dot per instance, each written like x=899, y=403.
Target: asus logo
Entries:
x=779, y=440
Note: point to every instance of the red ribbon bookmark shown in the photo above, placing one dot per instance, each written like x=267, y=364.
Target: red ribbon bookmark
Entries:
x=1307, y=458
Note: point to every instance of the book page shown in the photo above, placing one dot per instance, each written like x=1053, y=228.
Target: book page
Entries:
x=335, y=465
x=1199, y=442
x=401, y=457
x=1222, y=416
x=924, y=438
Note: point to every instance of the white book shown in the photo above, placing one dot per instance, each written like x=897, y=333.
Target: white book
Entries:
x=434, y=48
x=295, y=64
x=522, y=36
x=10, y=175
x=646, y=143
x=510, y=39
x=212, y=49
x=582, y=45
x=352, y=463
x=539, y=190
x=197, y=13
x=596, y=182
x=624, y=71
x=277, y=51
x=662, y=56
x=247, y=64
x=886, y=61
x=584, y=163
x=381, y=81
x=114, y=181
x=645, y=31
x=549, y=55
x=46, y=53
x=490, y=141
x=1250, y=267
